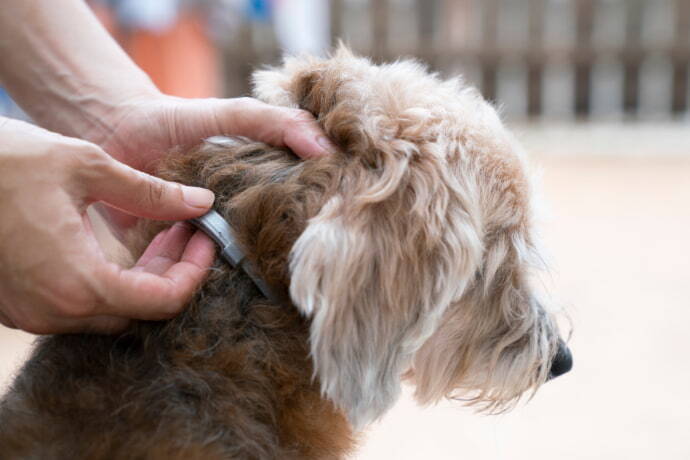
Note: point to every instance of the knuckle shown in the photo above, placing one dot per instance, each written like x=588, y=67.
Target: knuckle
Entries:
x=33, y=327
x=73, y=300
x=72, y=309
x=6, y=317
x=58, y=157
x=173, y=304
x=154, y=192
x=89, y=155
x=246, y=103
x=172, y=309
x=87, y=160
x=240, y=105
x=300, y=116
x=34, y=324
x=7, y=322
x=246, y=100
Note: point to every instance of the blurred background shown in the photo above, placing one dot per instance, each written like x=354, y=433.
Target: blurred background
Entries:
x=598, y=91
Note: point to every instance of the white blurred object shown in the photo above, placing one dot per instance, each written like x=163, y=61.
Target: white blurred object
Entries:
x=302, y=26
x=153, y=15
x=222, y=17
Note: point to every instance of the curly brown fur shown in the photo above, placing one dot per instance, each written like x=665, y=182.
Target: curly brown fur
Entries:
x=408, y=254
x=229, y=378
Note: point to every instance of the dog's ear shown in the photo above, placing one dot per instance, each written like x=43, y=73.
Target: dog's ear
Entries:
x=376, y=268
x=308, y=82
x=287, y=85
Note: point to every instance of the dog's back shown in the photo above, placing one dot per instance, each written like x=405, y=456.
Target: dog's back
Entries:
x=229, y=378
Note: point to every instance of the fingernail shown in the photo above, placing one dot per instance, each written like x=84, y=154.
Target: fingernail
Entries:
x=198, y=197
x=326, y=144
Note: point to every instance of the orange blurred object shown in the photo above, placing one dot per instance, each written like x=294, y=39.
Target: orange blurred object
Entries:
x=181, y=60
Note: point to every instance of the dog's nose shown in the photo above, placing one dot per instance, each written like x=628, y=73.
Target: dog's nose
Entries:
x=562, y=362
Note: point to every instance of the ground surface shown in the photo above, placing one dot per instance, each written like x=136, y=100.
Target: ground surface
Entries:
x=618, y=230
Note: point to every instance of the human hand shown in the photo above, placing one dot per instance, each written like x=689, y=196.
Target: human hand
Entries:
x=53, y=275
x=142, y=130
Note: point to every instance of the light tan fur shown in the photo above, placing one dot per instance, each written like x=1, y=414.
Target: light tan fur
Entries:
x=420, y=264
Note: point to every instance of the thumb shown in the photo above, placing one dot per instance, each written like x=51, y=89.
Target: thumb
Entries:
x=277, y=126
x=140, y=194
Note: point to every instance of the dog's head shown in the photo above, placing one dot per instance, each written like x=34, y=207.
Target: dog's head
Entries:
x=411, y=249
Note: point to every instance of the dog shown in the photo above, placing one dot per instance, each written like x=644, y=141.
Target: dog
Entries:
x=407, y=255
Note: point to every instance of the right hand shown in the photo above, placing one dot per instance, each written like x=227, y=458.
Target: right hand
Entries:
x=54, y=278
x=141, y=131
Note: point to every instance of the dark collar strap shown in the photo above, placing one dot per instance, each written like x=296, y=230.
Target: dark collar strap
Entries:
x=218, y=229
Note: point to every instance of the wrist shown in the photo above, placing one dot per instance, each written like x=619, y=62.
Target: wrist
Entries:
x=64, y=70
x=99, y=122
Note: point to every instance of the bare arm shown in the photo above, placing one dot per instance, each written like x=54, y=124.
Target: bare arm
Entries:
x=63, y=68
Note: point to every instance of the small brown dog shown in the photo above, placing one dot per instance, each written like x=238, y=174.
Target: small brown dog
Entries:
x=407, y=255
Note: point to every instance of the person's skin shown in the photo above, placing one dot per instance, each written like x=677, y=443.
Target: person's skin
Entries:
x=64, y=70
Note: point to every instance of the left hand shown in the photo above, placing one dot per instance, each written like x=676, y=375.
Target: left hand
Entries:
x=143, y=130
x=54, y=277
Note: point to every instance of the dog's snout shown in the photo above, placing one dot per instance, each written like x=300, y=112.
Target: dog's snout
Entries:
x=562, y=362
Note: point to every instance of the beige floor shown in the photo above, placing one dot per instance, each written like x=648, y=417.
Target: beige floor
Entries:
x=618, y=229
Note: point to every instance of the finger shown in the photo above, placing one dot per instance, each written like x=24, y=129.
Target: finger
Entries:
x=142, y=295
x=153, y=248
x=6, y=321
x=161, y=255
x=305, y=137
x=278, y=126
x=140, y=194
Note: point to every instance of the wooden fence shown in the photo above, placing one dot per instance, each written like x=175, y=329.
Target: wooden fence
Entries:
x=536, y=58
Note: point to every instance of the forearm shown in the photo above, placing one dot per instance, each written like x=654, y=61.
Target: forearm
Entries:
x=63, y=68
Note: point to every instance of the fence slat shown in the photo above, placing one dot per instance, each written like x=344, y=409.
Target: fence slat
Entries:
x=632, y=56
x=489, y=56
x=463, y=35
x=427, y=15
x=336, y=13
x=681, y=53
x=535, y=63
x=456, y=25
x=584, y=24
x=379, y=22
x=238, y=61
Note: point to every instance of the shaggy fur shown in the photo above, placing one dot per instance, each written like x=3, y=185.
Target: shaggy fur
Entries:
x=406, y=255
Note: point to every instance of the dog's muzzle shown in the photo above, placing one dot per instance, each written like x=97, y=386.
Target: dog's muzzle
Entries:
x=562, y=362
